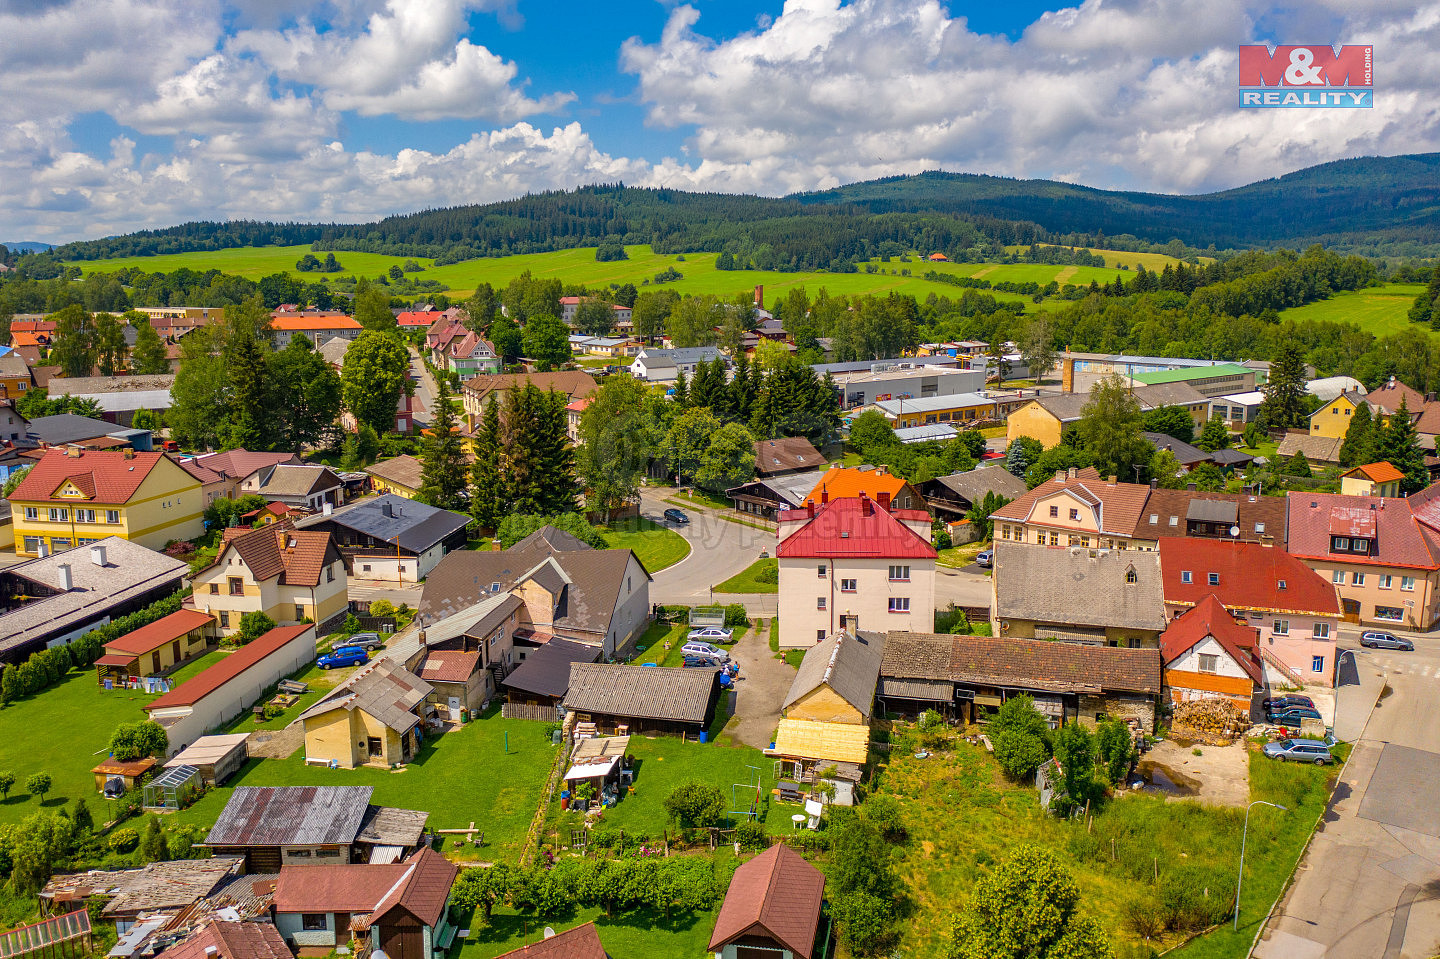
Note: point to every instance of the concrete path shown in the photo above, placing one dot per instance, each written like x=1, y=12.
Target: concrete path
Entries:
x=764, y=681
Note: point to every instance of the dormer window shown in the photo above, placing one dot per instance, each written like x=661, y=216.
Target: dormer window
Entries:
x=1213, y=579
x=1075, y=514
x=1130, y=575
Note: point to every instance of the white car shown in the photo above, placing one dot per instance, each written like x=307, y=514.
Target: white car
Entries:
x=714, y=634
x=705, y=651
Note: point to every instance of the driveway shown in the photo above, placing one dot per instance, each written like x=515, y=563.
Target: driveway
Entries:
x=718, y=550
x=1369, y=884
x=764, y=681
x=963, y=587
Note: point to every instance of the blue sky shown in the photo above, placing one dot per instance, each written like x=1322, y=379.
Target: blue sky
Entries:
x=122, y=114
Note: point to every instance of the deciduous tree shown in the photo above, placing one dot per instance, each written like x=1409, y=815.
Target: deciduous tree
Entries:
x=617, y=442
x=1215, y=436
x=546, y=340
x=307, y=395
x=1173, y=421
x=73, y=345
x=374, y=373
x=1109, y=429
x=149, y=354
x=1027, y=908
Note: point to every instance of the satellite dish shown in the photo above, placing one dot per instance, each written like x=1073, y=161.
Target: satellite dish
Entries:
x=549, y=932
x=1234, y=531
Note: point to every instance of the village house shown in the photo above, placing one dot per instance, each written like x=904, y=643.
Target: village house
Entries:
x=620, y=699
x=767, y=496
x=951, y=497
x=574, y=415
x=1296, y=610
x=400, y=475
x=56, y=599
x=969, y=677
x=1047, y=417
x=78, y=497
x=230, y=940
x=825, y=718
x=666, y=366
x=1098, y=597
x=119, y=397
x=275, y=828
x=477, y=392
x=600, y=597
x=390, y=537
x=1076, y=508
x=315, y=325
x=400, y=910
x=1244, y=517
x=15, y=377
x=1318, y=450
x=154, y=650
x=1209, y=655
x=570, y=305
x=215, y=696
x=463, y=657
x=841, y=482
x=288, y=574
x=301, y=486
x=771, y=909
x=86, y=432
x=854, y=563
x=1381, y=558
x=1372, y=479
x=372, y=718
x=470, y=355
x=238, y=466
x=543, y=676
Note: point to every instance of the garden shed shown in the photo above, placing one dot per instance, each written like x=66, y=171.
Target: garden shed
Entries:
x=132, y=771
x=217, y=757
x=172, y=789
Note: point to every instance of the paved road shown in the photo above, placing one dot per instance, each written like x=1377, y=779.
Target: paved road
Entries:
x=1369, y=885
x=425, y=389
x=718, y=550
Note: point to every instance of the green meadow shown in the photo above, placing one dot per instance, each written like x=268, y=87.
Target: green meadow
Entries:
x=579, y=266
x=1380, y=310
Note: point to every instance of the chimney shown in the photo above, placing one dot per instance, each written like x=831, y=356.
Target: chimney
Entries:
x=67, y=580
x=867, y=508
x=387, y=510
x=810, y=508
x=97, y=554
x=884, y=501
x=824, y=496
x=1070, y=473
x=128, y=452
x=1154, y=484
x=760, y=297
x=329, y=508
x=72, y=451
x=1191, y=487
x=422, y=638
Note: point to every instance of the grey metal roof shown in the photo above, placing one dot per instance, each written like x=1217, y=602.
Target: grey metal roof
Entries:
x=1079, y=586
x=927, y=433
x=849, y=665
x=1186, y=454
x=644, y=692
x=291, y=816
x=418, y=526
x=383, y=690
x=930, y=690
x=68, y=428
x=546, y=671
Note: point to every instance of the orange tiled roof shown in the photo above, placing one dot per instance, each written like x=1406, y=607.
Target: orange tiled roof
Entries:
x=297, y=556
x=842, y=482
x=1378, y=472
x=314, y=323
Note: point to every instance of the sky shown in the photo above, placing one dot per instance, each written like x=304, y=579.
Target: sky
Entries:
x=118, y=115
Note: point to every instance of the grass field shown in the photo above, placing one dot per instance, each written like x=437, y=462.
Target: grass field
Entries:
x=641, y=932
x=580, y=266
x=1380, y=310
x=751, y=579
x=1152, y=261
x=476, y=772
x=656, y=546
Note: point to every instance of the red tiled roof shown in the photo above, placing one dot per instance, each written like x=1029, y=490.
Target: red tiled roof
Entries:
x=1120, y=504
x=237, y=464
x=853, y=527
x=416, y=318
x=105, y=477
x=1211, y=618
x=197, y=688
x=354, y=887
x=778, y=894
x=424, y=889
x=231, y=940
x=582, y=942
x=1387, y=397
x=449, y=662
x=1400, y=540
x=164, y=630
x=1249, y=577
x=1377, y=472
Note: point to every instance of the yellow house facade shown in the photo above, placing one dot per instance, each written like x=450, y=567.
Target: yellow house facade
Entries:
x=1333, y=419
x=76, y=497
x=1035, y=421
x=372, y=718
x=289, y=575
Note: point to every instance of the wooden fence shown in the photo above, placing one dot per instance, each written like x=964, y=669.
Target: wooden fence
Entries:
x=545, y=714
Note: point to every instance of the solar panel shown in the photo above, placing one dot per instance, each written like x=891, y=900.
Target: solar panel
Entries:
x=28, y=939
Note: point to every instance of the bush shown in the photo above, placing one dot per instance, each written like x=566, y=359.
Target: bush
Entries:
x=735, y=615
x=253, y=625
x=884, y=811
x=1018, y=753
x=382, y=607
x=769, y=573
x=752, y=835
x=132, y=741
x=695, y=804
x=123, y=840
x=865, y=922
x=514, y=528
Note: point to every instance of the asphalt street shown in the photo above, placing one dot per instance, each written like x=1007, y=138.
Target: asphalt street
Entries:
x=719, y=549
x=1369, y=886
x=425, y=389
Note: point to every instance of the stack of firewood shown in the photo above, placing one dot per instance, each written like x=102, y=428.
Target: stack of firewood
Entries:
x=1214, y=721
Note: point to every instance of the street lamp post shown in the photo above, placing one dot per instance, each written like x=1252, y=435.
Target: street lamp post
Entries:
x=1240, y=879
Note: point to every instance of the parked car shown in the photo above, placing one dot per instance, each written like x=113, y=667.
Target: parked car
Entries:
x=1299, y=750
x=369, y=641
x=1377, y=640
x=707, y=650
x=714, y=634
x=1293, y=717
x=114, y=787
x=344, y=656
x=729, y=669
x=674, y=515
x=985, y=558
x=1277, y=703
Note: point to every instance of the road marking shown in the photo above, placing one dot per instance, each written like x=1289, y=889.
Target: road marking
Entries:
x=1425, y=671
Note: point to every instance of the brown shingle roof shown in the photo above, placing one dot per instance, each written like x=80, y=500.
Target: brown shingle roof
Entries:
x=572, y=383
x=1255, y=515
x=777, y=894
x=403, y=470
x=784, y=454
x=1038, y=664
x=1078, y=586
x=299, y=557
x=582, y=942
x=238, y=464
x=674, y=695
x=1317, y=449
x=160, y=632
x=1120, y=503
x=425, y=888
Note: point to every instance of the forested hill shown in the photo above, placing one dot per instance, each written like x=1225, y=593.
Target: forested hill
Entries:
x=1371, y=204
x=1375, y=205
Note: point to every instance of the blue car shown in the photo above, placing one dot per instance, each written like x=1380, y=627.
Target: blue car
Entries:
x=344, y=656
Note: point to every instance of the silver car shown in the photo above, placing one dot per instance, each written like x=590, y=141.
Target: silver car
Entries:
x=1299, y=751
x=705, y=650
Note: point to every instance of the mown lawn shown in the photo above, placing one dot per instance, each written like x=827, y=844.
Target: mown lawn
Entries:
x=641, y=932
x=1379, y=310
x=463, y=775
x=761, y=576
x=964, y=817
x=656, y=546
x=63, y=731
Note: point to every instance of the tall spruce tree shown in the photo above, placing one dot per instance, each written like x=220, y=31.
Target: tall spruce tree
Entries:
x=519, y=455
x=556, y=457
x=487, y=504
x=251, y=420
x=442, y=474
x=1400, y=447
x=1359, y=446
x=1285, y=406
x=1215, y=436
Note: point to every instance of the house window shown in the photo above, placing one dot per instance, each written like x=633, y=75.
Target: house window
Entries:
x=1055, y=511
x=225, y=618
x=1054, y=538
x=314, y=921
x=899, y=604
x=1357, y=579
x=1341, y=544
x=1282, y=627
x=1338, y=577
x=1259, y=527
x=1407, y=583
x=365, y=568
x=899, y=574
x=1322, y=631
x=1386, y=580
x=1075, y=514
x=819, y=602
x=1360, y=545
x=237, y=586
x=84, y=516
x=1209, y=663
x=1004, y=532
x=847, y=586
x=1213, y=579
x=112, y=516
x=819, y=635
x=1317, y=664
x=299, y=611
x=32, y=544
x=1393, y=614
x=1186, y=577
x=820, y=570
x=330, y=574
x=214, y=589
x=1154, y=518
x=32, y=513
x=59, y=515
x=59, y=544
x=1130, y=576
x=1175, y=521
x=1281, y=584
